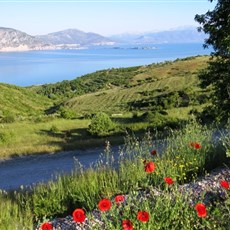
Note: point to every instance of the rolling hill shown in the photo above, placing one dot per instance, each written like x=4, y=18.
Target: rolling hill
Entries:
x=18, y=101
x=116, y=90
x=140, y=88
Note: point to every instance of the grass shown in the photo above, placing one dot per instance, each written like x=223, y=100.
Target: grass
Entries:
x=155, y=79
x=84, y=188
x=29, y=121
x=20, y=102
x=30, y=137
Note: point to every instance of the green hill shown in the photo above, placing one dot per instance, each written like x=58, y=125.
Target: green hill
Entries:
x=137, y=98
x=132, y=89
x=19, y=101
x=157, y=86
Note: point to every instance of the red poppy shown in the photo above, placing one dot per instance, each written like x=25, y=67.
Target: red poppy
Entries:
x=201, y=210
x=224, y=184
x=127, y=225
x=104, y=205
x=195, y=145
x=46, y=226
x=143, y=216
x=149, y=167
x=79, y=215
x=154, y=152
x=168, y=180
x=119, y=198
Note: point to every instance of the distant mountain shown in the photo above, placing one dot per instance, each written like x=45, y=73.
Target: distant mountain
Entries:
x=15, y=40
x=183, y=35
x=75, y=37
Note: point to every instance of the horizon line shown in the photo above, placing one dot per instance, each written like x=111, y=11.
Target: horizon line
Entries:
x=102, y=1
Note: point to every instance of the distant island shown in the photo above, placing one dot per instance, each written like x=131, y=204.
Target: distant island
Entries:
x=15, y=40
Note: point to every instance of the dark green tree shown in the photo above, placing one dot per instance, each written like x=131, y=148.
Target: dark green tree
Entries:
x=216, y=24
x=101, y=124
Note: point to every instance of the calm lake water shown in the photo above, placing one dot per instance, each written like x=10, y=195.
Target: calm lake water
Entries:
x=39, y=67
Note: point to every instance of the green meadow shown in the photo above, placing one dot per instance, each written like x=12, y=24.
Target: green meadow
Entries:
x=56, y=117
x=189, y=153
x=134, y=106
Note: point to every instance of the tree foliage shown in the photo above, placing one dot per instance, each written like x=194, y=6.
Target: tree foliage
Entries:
x=101, y=125
x=216, y=24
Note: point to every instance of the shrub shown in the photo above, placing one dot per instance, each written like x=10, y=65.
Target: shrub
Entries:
x=8, y=119
x=5, y=137
x=101, y=125
x=54, y=129
x=67, y=113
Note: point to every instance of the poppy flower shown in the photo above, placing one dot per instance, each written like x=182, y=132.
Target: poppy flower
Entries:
x=119, y=198
x=149, y=167
x=46, y=226
x=201, y=210
x=143, y=216
x=79, y=215
x=127, y=225
x=168, y=180
x=153, y=152
x=104, y=205
x=224, y=184
x=195, y=145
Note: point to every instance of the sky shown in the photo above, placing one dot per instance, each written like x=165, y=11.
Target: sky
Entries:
x=106, y=17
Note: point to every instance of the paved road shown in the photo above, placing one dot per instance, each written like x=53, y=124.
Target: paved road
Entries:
x=29, y=170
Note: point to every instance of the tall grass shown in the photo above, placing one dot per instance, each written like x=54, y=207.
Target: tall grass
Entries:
x=124, y=173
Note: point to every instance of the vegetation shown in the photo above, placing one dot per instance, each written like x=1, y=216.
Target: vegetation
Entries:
x=189, y=153
x=101, y=124
x=216, y=24
x=164, y=95
x=19, y=103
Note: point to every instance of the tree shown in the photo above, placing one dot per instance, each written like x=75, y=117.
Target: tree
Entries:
x=216, y=24
x=101, y=124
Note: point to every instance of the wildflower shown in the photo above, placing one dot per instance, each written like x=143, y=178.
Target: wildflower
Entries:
x=224, y=184
x=46, y=226
x=154, y=152
x=79, y=215
x=168, y=180
x=104, y=205
x=127, y=225
x=119, y=198
x=149, y=167
x=143, y=216
x=195, y=145
x=201, y=210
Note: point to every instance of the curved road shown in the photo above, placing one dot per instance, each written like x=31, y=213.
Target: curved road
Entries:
x=29, y=170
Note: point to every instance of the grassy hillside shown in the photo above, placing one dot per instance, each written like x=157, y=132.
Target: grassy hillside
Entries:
x=18, y=101
x=145, y=88
x=114, y=90
x=136, y=98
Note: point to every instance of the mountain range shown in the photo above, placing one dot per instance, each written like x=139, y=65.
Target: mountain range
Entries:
x=177, y=35
x=15, y=40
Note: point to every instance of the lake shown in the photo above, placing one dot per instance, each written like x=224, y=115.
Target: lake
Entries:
x=40, y=67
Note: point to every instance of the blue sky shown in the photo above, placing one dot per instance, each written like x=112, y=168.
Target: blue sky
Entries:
x=106, y=17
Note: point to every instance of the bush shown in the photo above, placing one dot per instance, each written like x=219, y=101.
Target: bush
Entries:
x=5, y=137
x=8, y=119
x=101, y=125
x=54, y=129
x=67, y=113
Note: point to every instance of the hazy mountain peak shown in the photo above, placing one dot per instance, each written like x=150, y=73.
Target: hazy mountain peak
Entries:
x=15, y=40
x=185, y=34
